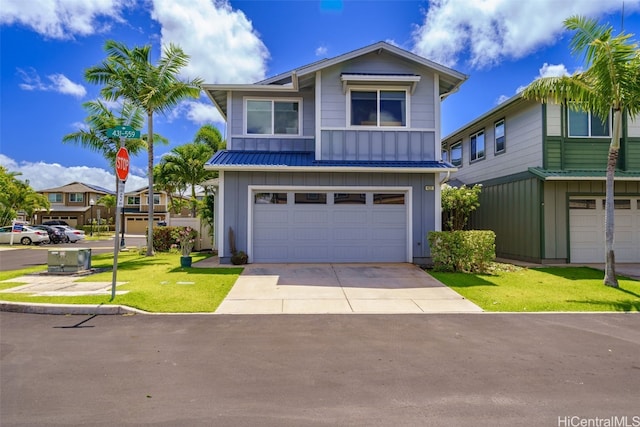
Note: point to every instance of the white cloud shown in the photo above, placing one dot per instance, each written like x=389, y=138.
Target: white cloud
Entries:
x=222, y=43
x=197, y=112
x=58, y=83
x=551, y=70
x=49, y=175
x=548, y=70
x=63, y=19
x=489, y=31
x=321, y=51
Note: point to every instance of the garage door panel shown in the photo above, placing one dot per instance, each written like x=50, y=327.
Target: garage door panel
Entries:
x=587, y=233
x=317, y=232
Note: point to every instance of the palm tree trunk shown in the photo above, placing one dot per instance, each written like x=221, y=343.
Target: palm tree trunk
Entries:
x=150, y=192
x=610, y=260
x=610, y=278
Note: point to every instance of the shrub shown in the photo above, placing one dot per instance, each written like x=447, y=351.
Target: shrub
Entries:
x=163, y=238
x=457, y=205
x=466, y=251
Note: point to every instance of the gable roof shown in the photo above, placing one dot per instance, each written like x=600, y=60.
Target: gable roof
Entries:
x=449, y=79
x=78, y=187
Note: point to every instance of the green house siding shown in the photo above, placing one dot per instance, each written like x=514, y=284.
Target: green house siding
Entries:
x=553, y=153
x=632, y=154
x=511, y=207
x=585, y=154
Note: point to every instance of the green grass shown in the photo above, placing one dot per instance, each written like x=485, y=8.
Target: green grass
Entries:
x=544, y=289
x=156, y=284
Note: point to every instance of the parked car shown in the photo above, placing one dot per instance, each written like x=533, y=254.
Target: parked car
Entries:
x=55, y=234
x=72, y=234
x=55, y=222
x=26, y=236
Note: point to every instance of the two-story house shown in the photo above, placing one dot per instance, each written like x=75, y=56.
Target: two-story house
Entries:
x=335, y=161
x=542, y=167
x=76, y=203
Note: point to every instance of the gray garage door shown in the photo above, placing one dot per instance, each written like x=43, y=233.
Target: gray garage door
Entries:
x=329, y=227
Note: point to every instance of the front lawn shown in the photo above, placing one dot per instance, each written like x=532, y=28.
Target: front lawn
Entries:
x=156, y=284
x=544, y=289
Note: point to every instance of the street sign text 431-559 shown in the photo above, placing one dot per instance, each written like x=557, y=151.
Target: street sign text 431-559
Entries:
x=126, y=132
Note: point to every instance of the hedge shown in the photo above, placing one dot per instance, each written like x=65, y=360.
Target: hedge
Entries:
x=465, y=251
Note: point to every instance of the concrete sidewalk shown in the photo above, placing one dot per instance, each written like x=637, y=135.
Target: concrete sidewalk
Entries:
x=341, y=288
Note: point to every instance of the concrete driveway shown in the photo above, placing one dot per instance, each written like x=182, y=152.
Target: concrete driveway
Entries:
x=341, y=288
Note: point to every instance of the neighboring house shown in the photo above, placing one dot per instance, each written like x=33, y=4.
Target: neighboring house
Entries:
x=136, y=210
x=76, y=203
x=542, y=167
x=335, y=161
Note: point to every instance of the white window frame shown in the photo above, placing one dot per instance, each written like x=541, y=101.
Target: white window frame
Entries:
x=246, y=99
x=378, y=89
x=589, y=119
x=476, y=158
x=134, y=199
x=155, y=195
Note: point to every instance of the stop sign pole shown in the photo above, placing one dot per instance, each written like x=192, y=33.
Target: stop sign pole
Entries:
x=122, y=172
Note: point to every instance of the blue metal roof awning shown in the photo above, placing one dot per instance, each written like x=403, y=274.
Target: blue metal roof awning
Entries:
x=305, y=161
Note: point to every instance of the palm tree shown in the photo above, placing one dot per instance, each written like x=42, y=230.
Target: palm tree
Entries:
x=164, y=181
x=100, y=119
x=129, y=74
x=611, y=82
x=185, y=165
x=211, y=136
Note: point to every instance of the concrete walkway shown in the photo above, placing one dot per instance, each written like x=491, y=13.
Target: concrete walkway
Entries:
x=341, y=288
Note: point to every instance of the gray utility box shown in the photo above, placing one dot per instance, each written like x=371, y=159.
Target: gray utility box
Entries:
x=69, y=260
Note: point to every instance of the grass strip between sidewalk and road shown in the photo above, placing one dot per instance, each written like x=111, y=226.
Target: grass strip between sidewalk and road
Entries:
x=155, y=284
x=544, y=289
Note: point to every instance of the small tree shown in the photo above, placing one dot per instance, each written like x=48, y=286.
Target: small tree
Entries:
x=457, y=205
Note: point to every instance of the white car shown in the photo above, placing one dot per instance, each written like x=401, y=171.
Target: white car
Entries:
x=27, y=236
x=72, y=234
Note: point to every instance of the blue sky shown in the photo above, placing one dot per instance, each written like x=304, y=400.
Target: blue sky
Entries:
x=46, y=45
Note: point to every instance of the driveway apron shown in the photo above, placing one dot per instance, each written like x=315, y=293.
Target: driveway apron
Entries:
x=341, y=288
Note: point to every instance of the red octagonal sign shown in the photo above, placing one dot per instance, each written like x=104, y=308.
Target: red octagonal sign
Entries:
x=122, y=164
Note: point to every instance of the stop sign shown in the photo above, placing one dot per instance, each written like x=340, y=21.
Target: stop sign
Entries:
x=122, y=164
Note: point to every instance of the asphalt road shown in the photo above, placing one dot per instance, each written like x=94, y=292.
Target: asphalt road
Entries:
x=20, y=256
x=328, y=370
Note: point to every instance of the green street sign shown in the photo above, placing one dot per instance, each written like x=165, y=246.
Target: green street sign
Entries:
x=123, y=132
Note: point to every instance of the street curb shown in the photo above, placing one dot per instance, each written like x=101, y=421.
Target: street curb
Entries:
x=21, y=307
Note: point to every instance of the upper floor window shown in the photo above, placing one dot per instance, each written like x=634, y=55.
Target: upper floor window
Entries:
x=445, y=155
x=378, y=107
x=76, y=197
x=271, y=117
x=586, y=124
x=55, y=197
x=156, y=199
x=499, y=136
x=477, y=146
x=133, y=200
x=456, y=154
